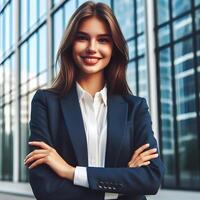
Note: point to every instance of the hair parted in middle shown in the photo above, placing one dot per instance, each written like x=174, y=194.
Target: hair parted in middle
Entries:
x=114, y=73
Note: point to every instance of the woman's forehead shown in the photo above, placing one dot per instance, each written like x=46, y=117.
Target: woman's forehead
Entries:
x=94, y=25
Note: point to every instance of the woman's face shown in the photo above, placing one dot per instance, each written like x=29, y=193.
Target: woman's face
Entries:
x=92, y=47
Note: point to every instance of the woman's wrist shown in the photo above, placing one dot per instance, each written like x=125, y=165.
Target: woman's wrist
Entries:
x=69, y=173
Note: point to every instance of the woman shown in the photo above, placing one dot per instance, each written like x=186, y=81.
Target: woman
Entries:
x=90, y=137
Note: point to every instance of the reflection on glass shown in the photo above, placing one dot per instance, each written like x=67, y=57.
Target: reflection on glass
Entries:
x=70, y=6
x=42, y=48
x=1, y=121
x=163, y=35
x=23, y=137
x=143, y=78
x=168, y=149
x=42, y=8
x=7, y=27
x=13, y=78
x=7, y=76
x=42, y=79
x=186, y=115
x=33, y=56
x=131, y=77
x=23, y=63
x=131, y=48
x=103, y=1
x=197, y=2
x=141, y=44
x=182, y=26
x=7, y=145
x=162, y=11
x=2, y=37
x=23, y=16
x=124, y=11
x=179, y=7
x=56, y=2
x=57, y=34
x=140, y=16
x=197, y=19
x=32, y=12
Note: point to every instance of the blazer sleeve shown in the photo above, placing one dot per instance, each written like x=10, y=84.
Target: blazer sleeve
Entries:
x=44, y=182
x=143, y=180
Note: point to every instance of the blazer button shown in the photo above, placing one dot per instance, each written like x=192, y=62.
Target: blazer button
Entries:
x=99, y=186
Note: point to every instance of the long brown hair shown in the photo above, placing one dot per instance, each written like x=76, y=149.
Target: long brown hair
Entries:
x=114, y=73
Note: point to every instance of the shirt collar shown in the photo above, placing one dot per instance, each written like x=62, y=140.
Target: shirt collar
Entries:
x=81, y=93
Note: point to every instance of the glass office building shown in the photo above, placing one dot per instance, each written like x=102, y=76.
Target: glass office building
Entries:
x=164, y=48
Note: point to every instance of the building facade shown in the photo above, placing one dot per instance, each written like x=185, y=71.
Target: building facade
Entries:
x=163, y=37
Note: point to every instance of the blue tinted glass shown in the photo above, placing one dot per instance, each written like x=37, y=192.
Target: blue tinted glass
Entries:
x=143, y=78
x=57, y=30
x=42, y=8
x=124, y=11
x=140, y=16
x=2, y=37
x=168, y=150
x=32, y=12
x=33, y=56
x=103, y=1
x=197, y=19
x=7, y=74
x=131, y=77
x=162, y=11
x=23, y=63
x=163, y=35
x=56, y=2
x=131, y=47
x=42, y=48
x=13, y=8
x=180, y=6
x=70, y=6
x=182, y=26
x=141, y=44
x=7, y=27
x=23, y=16
x=197, y=2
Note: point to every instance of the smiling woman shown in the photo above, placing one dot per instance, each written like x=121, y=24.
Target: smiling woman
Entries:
x=90, y=137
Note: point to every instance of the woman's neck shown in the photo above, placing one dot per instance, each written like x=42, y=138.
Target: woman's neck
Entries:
x=92, y=83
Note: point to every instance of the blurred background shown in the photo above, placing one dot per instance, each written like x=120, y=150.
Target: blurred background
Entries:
x=163, y=37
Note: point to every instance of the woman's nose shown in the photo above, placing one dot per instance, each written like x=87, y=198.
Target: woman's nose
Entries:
x=92, y=46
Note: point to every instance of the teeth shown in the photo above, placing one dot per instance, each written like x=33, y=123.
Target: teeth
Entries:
x=91, y=60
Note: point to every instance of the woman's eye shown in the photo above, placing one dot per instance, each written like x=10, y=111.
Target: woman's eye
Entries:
x=104, y=40
x=81, y=38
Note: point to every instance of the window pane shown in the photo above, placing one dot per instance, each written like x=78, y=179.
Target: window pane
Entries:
x=23, y=136
x=182, y=26
x=7, y=146
x=131, y=77
x=168, y=149
x=141, y=45
x=197, y=19
x=23, y=63
x=42, y=8
x=7, y=76
x=163, y=35
x=143, y=78
x=140, y=16
x=32, y=12
x=162, y=11
x=1, y=121
x=124, y=11
x=42, y=48
x=7, y=27
x=180, y=6
x=70, y=7
x=197, y=2
x=33, y=56
x=23, y=16
x=2, y=37
x=131, y=46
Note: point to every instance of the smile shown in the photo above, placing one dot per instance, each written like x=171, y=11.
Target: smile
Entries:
x=90, y=60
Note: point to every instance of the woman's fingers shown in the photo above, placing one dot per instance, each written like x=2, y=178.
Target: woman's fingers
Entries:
x=37, y=151
x=139, y=150
x=142, y=159
x=40, y=144
x=142, y=164
x=34, y=157
x=37, y=162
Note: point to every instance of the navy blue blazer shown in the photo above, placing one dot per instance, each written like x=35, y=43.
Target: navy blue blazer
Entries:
x=58, y=122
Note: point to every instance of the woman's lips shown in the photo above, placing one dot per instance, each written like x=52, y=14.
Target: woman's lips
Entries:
x=90, y=60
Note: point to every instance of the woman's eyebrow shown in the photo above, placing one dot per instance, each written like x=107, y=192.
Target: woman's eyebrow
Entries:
x=102, y=35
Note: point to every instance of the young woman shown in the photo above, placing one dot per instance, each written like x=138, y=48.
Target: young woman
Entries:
x=90, y=137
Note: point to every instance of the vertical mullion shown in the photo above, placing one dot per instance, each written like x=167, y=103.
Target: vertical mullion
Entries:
x=196, y=72
x=174, y=96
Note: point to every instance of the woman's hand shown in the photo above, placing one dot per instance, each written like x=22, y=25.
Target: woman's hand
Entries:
x=48, y=155
x=142, y=157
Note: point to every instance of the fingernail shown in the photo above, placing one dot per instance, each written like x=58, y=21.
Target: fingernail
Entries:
x=147, y=144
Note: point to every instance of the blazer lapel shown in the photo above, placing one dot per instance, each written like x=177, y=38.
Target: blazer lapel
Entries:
x=116, y=119
x=73, y=120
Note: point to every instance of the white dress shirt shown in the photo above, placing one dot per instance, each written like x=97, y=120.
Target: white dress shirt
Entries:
x=94, y=113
